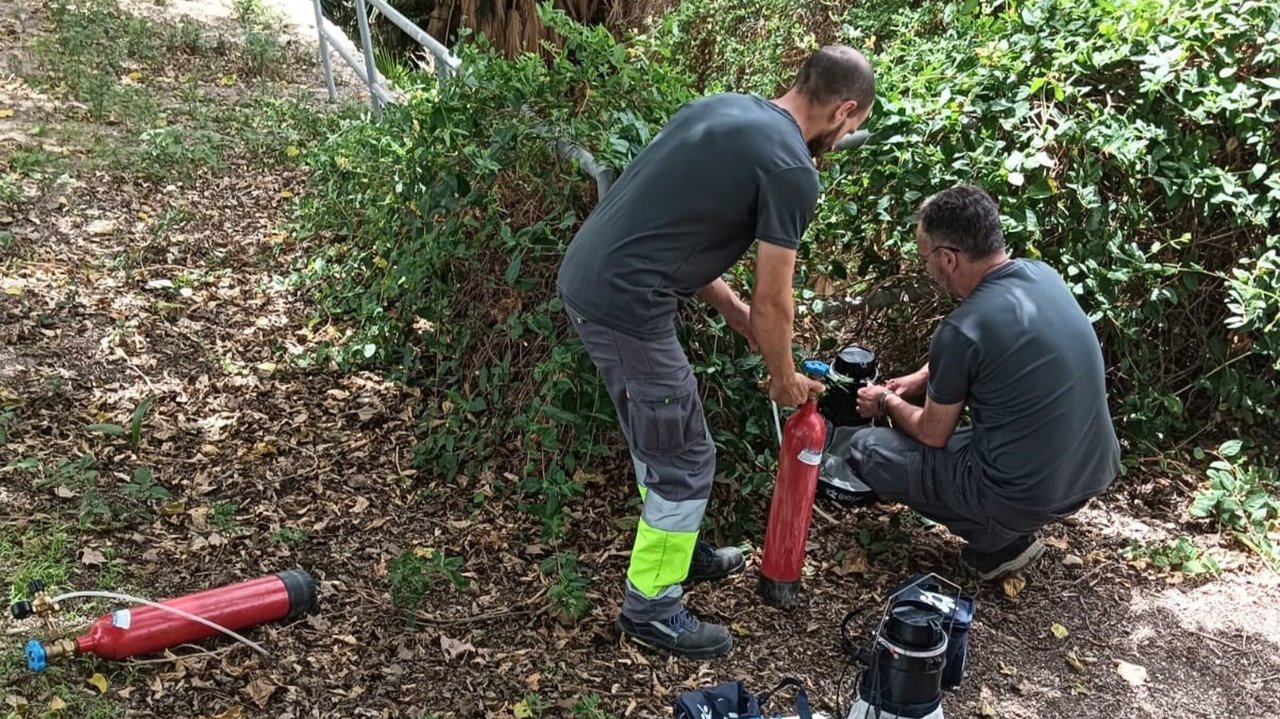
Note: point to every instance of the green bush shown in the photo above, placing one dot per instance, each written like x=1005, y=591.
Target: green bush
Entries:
x=1179, y=555
x=1131, y=147
x=1244, y=498
x=445, y=224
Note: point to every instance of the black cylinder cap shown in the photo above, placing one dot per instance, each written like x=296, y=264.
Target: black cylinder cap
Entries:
x=915, y=627
x=35, y=586
x=302, y=591
x=777, y=593
x=21, y=610
x=856, y=362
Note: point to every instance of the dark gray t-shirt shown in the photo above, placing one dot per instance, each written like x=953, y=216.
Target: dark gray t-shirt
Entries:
x=1022, y=353
x=726, y=170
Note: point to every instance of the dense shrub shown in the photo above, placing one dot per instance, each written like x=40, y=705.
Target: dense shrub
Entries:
x=1131, y=143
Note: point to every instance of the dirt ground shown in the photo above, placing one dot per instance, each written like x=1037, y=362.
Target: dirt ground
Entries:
x=270, y=465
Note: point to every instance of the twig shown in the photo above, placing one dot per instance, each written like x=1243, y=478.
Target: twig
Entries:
x=485, y=617
x=1091, y=572
x=1223, y=642
x=490, y=616
x=1264, y=680
x=129, y=363
x=216, y=654
x=822, y=513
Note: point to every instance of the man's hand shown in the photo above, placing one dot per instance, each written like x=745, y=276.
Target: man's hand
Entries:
x=869, y=400
x=911, y=385
x=793, y=390
x=738, y=317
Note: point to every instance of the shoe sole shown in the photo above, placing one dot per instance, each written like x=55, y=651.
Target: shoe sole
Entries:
x=713, y=577
x=707, y=653
x=1029, y=555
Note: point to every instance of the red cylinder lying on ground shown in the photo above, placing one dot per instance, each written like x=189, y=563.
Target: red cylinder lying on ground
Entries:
x=803, y=438
x=142, y=630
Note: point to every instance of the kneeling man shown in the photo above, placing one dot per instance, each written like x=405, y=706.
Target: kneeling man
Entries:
x=1022, y=355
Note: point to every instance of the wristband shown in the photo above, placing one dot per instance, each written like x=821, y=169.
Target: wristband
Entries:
x=884, y=396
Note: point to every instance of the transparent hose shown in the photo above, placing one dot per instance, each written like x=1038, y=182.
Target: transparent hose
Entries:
x=184, y=614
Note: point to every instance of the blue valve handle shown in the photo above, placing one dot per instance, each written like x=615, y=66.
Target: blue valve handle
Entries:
x=816, y=369
x=37, y=660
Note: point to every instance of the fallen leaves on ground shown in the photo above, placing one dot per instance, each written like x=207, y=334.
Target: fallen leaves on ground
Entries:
x=260, y=691
x=1013, y=585
x=453, y=648
x=986, y=703
x=1135, y=674
x=91, y=557
x=235, y=712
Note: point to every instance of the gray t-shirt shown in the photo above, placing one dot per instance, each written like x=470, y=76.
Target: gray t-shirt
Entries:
x=726, y=170
x=1022, y=353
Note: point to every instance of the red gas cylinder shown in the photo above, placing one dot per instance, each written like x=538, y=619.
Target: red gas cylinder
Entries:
x=145, y=629
x=803, y=438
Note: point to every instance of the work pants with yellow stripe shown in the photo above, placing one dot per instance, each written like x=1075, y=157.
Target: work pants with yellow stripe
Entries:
x=656, y=396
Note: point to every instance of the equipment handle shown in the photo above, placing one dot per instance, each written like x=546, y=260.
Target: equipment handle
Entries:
x=802, y=697
x=816, y=369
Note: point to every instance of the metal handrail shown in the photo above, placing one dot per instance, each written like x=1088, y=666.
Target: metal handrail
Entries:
x=447, y=64
x=446, y=61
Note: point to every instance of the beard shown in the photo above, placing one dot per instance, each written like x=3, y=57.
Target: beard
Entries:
x=823, y=143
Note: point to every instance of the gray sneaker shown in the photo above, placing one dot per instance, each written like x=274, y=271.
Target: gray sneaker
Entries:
x=683, y=635
x=710, y=562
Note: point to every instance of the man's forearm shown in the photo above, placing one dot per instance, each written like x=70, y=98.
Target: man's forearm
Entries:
x=905, y=415
x=931, y=425
x=771, y=323
x=719, y=295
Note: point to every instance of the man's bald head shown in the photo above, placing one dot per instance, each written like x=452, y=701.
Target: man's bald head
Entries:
x=837, y=73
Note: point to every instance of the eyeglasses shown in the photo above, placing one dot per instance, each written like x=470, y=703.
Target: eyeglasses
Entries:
x=929, y=254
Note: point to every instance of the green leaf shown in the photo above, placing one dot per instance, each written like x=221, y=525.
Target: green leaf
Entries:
x=513, y=269
x=139, y=414
x=114, y=430
x=1230, y=448
x=1204, y=504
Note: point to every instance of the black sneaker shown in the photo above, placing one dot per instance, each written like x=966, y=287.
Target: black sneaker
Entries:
x=710, y=562
x=1016, y=555
x=683, y=635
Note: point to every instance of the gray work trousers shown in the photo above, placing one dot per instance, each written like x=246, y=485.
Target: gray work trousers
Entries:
x=943, y=484
x=656, y=397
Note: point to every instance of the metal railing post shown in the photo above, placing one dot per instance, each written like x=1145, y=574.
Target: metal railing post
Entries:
x=366, y=44
x=446, y=61
x=324, y=52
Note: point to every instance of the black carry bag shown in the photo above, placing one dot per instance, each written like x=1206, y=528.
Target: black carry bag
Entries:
x=732, y=700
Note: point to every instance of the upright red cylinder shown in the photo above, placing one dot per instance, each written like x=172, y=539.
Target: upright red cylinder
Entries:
x=143, y=630
x=803, y=438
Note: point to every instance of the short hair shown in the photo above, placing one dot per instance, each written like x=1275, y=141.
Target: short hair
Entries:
x=837, y=73
x=965, y=217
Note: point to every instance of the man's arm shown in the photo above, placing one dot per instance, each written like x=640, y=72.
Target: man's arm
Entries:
x=772, y=317
x=736, y=313
x=912, y=385
x=932, y=424
x=719, y=295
